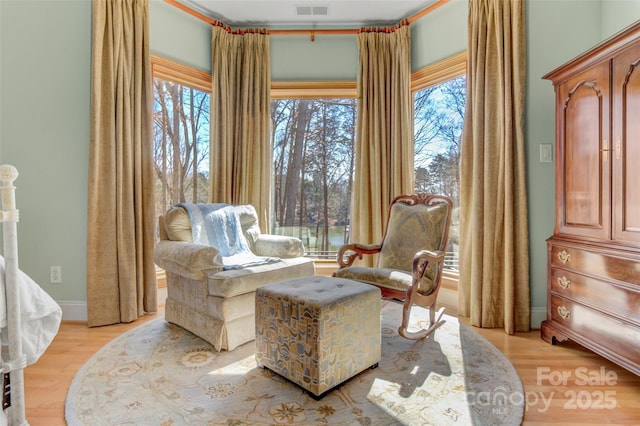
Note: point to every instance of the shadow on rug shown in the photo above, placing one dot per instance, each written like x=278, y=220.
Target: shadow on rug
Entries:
x=160, y=374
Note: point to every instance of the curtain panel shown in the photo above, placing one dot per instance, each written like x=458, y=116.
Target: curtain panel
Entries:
x=494, y=256
x=241, y=120
x=384, y=144
x=121, y=280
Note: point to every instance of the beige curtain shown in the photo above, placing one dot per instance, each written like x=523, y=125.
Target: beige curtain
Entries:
x=240, y=120
x=121, y=281
x=384, y=145
x=494, y=268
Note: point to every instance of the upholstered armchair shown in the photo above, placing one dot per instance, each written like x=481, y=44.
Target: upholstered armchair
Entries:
x=206, y=296
x=410, y=257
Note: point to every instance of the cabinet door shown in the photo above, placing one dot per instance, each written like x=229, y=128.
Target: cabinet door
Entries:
x=583, y=157
x=626, y=145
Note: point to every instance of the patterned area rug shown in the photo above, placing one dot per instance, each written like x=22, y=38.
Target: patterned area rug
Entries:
x=160, y=374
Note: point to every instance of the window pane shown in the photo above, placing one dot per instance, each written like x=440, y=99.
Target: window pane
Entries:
x=439, y=116
x=313, y=142
x=180, y=144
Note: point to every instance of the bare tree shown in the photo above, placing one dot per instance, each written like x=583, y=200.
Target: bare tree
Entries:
x=181, y=144
x=280, y=134
x=439, y=117
x=295, y=164
x=313, y=163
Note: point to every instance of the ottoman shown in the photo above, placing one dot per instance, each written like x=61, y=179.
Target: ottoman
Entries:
x=317, y=331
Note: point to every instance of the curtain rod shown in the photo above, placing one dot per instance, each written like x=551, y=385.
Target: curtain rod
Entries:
x=310, y=32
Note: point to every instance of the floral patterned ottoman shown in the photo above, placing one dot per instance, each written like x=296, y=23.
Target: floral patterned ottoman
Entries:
x=317, y=331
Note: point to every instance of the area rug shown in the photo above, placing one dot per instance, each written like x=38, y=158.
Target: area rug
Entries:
x=160, y=374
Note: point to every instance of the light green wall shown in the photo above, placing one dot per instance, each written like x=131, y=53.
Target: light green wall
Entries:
x=45, y=58
x=439, y=34
x=183, y=38
x=618, y=14
x=179, y=36
x=550, y=42
x=329, y=57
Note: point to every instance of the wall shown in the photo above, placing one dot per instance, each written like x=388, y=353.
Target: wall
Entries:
x=617, y=14
x=551, y=42
x=45, y=58
x=179, y=36
x=439, y=34
x=329, y=57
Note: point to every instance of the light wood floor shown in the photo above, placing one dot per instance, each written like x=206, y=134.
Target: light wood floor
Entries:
x=537, y=363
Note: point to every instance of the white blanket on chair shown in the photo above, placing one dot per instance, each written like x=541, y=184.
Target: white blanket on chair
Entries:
x=218, y=225
x=40, y=315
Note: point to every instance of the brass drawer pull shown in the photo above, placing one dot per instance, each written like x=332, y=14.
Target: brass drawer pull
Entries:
x=564, y=282
x=564, y=312
x=564, y=257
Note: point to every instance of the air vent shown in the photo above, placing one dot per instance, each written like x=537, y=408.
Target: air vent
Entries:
x=318, y=10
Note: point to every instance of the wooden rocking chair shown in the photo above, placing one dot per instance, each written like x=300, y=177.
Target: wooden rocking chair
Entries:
x=410, y=257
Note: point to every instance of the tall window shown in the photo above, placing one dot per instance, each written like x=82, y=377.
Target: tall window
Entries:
x=313, y=145
x=180, y=140
x=313, y=136
x=439, y=115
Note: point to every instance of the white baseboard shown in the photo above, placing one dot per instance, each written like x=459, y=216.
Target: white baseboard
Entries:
x=73, y=310
x=76, y=310
x=448, y=298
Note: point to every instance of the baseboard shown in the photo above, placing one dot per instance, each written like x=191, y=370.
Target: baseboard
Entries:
x=76, y=310
x=73, y=310
x=538, y=315
x=449, y=299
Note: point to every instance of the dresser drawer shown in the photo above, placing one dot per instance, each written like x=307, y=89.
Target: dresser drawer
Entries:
x=617, y=299
x=607, y=267
x=596, y=328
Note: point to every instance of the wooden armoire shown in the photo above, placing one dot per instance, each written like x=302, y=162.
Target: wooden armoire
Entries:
x=593, y=289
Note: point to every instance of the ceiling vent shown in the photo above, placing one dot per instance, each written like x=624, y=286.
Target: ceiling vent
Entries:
x=318, y=10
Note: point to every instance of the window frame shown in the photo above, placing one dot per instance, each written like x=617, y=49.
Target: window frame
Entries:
x=184, y=75
x=438, y=72
x=178, y=73
x=201, y=80
x=312, y=90
x=449, y=68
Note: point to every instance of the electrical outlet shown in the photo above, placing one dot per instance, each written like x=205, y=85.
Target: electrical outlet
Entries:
x=55, y=274
x=546, y=153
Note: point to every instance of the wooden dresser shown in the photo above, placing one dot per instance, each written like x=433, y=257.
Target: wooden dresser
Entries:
x=593, y=290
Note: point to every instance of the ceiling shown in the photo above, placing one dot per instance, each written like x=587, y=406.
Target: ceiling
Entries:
x=307, y=13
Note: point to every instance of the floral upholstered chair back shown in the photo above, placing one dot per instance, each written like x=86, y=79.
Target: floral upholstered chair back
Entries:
x=419, y=222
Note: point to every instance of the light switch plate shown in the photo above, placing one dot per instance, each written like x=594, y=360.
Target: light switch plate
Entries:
x=546, y=153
